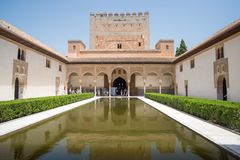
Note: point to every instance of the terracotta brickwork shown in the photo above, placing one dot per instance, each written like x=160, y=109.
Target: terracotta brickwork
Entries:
x=112, y=41
x=109, y=30
x=120, y=51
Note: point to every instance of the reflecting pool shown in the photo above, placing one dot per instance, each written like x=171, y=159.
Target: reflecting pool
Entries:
x=118, y=129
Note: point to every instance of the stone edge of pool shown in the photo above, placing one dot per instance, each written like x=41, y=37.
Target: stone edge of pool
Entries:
x=211, y=132
x=23, y=122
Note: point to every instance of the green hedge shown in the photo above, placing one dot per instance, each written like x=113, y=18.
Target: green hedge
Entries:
x=223, y=113
x=18, y=108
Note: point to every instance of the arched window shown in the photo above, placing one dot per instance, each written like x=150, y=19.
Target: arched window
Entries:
x=19, y=54
x=219, y=52
x=23, y=55
x=222, y=52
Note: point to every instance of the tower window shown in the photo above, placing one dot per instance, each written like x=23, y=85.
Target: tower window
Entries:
x=74, y=47
x=167, y=46
x=119, y=46
x=139, y=44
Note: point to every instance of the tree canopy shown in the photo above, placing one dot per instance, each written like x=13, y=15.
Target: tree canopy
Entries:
x=181, y=49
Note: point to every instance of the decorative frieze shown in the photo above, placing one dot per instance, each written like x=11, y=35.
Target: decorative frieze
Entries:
x=20, y=71
x=221, y=69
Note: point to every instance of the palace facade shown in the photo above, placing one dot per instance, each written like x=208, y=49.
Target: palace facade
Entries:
x=119, y=61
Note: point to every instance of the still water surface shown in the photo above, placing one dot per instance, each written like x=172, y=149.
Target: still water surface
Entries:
x=117, y=129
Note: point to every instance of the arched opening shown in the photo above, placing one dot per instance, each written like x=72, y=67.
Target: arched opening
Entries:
x=102, y=84
x=136, y=84
x=88, y=82
x=167, y=84
x=73, y=83
x=222, y=88
x=152, y=82
x=119, y=87
x=16, y=91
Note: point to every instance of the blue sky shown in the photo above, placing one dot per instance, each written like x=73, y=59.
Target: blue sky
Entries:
x=54, y=22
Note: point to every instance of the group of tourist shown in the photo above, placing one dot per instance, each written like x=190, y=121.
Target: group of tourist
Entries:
x=101, y=91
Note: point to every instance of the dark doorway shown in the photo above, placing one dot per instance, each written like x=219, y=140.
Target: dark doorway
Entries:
x=120, y=86
x=224, y=90
x=16, y=93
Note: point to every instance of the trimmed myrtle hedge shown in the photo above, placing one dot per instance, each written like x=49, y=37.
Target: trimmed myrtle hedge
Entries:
x=223, y=113
x=18, y=108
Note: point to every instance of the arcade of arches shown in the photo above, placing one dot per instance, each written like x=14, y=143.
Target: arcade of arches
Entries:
x=124, y=80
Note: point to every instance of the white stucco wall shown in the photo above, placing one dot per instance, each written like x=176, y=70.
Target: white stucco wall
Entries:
x=232, y=52
x=41, y=81
x=8, y=52
x=200, y=78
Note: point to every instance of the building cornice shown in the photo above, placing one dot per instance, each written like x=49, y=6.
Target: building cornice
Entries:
x=119, y=51
x=14, y=34
x=224, y=33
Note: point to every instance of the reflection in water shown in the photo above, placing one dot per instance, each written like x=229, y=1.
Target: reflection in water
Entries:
x=17, y=145
x=109, y=129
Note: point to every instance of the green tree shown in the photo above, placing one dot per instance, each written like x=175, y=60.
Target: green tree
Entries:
x=181, y=49
x=177, y=51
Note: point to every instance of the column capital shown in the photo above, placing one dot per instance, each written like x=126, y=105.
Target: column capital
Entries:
x=160, y=81
x=144, y=81
x=95, y=82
